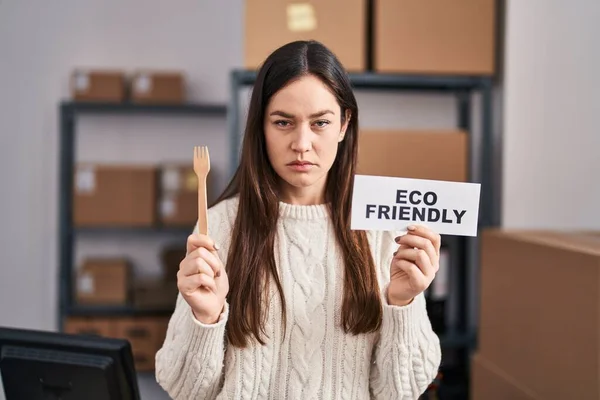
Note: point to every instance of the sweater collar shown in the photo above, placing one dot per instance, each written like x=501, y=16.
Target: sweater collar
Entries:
x=303, y=212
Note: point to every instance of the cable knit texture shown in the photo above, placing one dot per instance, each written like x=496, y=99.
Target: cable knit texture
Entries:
x=312, y=358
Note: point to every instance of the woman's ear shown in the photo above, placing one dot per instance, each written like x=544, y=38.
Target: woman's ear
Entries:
x=347, y=117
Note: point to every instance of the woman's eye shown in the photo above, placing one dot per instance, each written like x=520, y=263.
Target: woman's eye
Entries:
x=281, y=123
x=322, y=123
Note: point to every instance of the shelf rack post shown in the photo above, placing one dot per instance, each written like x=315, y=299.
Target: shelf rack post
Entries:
x=67, y=158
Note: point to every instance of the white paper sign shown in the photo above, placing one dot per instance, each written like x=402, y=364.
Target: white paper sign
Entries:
x=392, y=204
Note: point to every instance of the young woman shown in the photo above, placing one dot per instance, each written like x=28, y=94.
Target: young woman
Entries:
x=282, y=300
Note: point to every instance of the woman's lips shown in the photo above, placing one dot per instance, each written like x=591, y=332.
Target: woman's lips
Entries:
x=301, y=166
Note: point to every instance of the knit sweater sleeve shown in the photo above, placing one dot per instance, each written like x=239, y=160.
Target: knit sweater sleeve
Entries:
x=190, y=362
x=407, y=353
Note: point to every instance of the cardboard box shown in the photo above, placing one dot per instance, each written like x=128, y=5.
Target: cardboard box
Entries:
x=97, y=85
x=163, y=87
x=171, y=257
x=435, y=36
x=112, y=195
x=178, y=205
x=89, y=326
x=540, y=310
x=146, y=335
x=179, y=209
x=439, y=155
x=338, y=24
x=104, y=281
x=488, y=382
x=155, y=293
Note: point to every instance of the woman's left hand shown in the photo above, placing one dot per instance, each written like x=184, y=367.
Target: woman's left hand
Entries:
x=414, y=264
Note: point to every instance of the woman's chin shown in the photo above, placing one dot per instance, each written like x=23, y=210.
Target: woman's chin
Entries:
x=301, y=181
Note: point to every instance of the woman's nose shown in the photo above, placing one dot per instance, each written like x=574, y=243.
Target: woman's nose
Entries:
x=302, y=140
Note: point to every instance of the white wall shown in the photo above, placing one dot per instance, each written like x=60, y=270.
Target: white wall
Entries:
x=552, y=115
x=40, y=42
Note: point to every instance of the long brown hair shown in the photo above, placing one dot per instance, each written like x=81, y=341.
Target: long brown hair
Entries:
x=251, y=261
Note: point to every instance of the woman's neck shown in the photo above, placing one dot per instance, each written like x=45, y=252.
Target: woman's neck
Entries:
x=308, y=196
x=303, y=212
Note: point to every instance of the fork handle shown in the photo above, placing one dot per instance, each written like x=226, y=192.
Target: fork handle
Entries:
x=202, y=209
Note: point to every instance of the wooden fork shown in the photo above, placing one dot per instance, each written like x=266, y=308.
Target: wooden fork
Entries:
x=201, y=168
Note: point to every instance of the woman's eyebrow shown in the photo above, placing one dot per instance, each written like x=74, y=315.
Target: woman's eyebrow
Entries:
x=282, y=114
x=313, y=115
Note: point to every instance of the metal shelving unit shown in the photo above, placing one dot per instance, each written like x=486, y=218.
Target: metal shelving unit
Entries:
x=69, y=112
x=463, y=250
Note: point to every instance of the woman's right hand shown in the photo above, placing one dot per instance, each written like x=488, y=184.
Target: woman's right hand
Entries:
x=202, y=280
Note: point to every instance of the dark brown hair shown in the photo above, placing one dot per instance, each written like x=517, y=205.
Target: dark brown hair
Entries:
x=251, y=262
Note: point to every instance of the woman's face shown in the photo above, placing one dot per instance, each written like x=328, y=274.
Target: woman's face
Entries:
x=302, y=130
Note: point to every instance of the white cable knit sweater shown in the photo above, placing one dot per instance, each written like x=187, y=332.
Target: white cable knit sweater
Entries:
x=315, y=359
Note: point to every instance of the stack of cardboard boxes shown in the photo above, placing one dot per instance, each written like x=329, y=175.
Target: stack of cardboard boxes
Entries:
x=112, y=195
x=388, y=36
x=110, y=282
x=142, y=86
x=146, y=334
x=539, y=329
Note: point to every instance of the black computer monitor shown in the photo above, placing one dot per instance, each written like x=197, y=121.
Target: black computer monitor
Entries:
x=37, y=365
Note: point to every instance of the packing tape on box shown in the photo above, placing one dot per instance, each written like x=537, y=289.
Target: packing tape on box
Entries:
x=85, y=284
x=191, y=181
x=171, y=180
x=168, y=206
x=85, y=180
x=143, y=84
x=301, y=17
x=81, y=81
